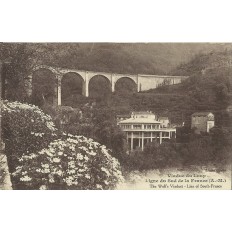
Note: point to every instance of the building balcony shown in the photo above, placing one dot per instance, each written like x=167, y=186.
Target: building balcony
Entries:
x=149, y=130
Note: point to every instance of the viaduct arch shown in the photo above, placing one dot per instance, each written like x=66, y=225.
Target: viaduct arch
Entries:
x=44, y=86
x=143, y=82
x=71, y=86
x=132, y=85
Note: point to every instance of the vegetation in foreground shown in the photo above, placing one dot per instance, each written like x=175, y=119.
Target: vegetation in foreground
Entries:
x=41, y=157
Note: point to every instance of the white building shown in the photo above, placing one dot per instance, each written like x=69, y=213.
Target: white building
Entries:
x=164, y=122
x=143, y=128
x=143, y=114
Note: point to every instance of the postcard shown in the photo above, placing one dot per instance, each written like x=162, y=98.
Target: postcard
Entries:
x=115, y=116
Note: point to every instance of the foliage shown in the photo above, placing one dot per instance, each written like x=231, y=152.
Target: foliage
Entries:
x=97, y=122
x=154, y=156
x=26, y=129
x=165, y=82
x=201, y=62
x=73, y=162
x=20, y=60
x=213, y=149
x=107, y=132
x=44, y=88
x=33, y=143
x=63, y=116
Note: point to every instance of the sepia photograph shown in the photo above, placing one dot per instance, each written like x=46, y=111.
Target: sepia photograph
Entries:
x=130, y=97
x=116, y=116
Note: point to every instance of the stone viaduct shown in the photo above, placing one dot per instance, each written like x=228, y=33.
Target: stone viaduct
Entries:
x=143, y=82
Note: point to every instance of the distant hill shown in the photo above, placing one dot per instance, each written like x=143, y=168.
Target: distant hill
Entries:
x=203, y=62
x=146, y=58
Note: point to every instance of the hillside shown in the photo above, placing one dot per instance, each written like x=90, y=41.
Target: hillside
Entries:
x=201, y=63
x=150, y=58
x=146, y=58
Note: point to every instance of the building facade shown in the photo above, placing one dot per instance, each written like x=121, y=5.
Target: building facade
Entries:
x=143, y=128
x=165, y=123
x=202, y=121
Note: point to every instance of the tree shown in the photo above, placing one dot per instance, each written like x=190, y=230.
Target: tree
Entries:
x=21, y=59
x=222, y=93
x=107, y=132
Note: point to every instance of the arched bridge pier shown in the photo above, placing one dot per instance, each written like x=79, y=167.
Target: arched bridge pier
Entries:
x=142, y=82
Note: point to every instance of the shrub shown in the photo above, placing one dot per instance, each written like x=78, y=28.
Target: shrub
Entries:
x=73, y=162
x=40, y=157
x=63, y=115
x=154, y=156
x=26, y=129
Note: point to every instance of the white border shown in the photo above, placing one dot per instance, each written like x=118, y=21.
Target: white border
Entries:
x=114, y=21
x=115, y=211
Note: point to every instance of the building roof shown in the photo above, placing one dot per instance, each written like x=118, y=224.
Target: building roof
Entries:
x=139, y=121
x=142, y=112
x=229, y=108
x=201, y=113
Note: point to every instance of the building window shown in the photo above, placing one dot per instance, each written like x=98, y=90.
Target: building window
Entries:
x=126, y=126
x=165, y=134
x=147, y=126
x=211, y=118
x=136, y=134
x=137, y=126
x=155, y=134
